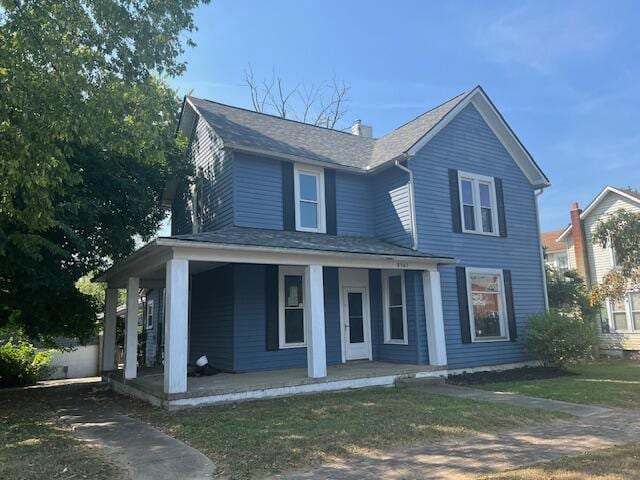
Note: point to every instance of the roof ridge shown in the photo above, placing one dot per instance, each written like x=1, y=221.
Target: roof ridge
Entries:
x=281, y=118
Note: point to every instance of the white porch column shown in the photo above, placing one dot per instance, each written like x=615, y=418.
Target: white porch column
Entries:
x=314, y=302
x=175, y=326
x=131, y=330
x=109, y=330
x=435, y=319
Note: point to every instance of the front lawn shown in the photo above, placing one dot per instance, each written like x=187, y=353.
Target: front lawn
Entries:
x=617, y=463
x=33, y=445
x=269, y=436
x=612, y=383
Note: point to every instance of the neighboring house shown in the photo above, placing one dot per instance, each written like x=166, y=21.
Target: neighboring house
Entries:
x=555, y=252
x=620, y=321
x=301, y=247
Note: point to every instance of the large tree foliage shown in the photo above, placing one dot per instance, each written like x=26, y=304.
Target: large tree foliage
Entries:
x=568, y=294
x=621, y=233
x=87, y=142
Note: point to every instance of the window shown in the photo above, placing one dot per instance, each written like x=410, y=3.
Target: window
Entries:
x=625, y=313
x=478, y=204
x=487, y=308
x=395, y=315
x=634, y=304
x=309, y=195
x=149, y=322
x=561, y=262
x=291, y=326
x=619, y=314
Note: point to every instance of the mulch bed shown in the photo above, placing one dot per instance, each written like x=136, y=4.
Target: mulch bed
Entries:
x=516, y=374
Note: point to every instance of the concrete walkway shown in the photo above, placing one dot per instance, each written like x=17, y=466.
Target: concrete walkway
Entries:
x=593, y=428
x=144, y=452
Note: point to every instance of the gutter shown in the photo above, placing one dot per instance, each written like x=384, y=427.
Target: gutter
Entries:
x=537, y=193
x=412, y=202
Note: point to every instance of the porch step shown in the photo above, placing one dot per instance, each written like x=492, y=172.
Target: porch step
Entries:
x=406, y=382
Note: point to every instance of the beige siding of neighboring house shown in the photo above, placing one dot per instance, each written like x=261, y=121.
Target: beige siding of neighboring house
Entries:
x=571, y=253
x=600, y=262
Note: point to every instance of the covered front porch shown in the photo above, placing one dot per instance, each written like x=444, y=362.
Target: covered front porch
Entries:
x=219, y=291
x=230, y=387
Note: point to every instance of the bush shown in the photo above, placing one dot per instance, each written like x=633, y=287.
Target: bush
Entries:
x=21, y=363
x=558, y=339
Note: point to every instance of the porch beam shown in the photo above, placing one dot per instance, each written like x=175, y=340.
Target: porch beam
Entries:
x=314, y=301
x=109, y=330
x=131, y=330
x=436, y=341
x=176, y=326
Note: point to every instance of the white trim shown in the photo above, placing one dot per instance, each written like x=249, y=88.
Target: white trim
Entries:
x=318, y=173
x=109, y=330
x=594, y=203
x=504, y=326
x=131, y=330
x=290, y=271
x=385, y=306
x=366, y=322
x=315, y=322
x=148, y=325
x=475, y=180
x=432, y=294
x=352, y=277
x=500, y=128
x=176, y=326
x=541, y=250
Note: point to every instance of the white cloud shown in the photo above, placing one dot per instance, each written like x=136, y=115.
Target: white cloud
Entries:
x=542, y=35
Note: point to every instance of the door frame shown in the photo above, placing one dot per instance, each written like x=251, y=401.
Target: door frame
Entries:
x=356, y=279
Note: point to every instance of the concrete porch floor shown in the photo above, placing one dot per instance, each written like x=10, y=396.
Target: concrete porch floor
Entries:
x=230, y=387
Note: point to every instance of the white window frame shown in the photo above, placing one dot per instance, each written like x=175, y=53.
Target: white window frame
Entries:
x=385, y=305
x=149, y=318
x=318, y=173
x=502, y=306
x=475, y=180
x=628, y=311
x=282, y=272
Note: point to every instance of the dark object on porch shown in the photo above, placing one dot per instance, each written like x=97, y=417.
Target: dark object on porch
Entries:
x=203, y=368
x=515, y=374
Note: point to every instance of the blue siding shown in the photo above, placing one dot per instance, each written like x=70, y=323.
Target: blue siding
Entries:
x=468, y=144
x=211, y=322
x=250, y=351
x=391, y=206
x=354, y=204
x=257, y=192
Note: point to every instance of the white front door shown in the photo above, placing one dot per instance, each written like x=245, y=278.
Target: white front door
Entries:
x=356, y=323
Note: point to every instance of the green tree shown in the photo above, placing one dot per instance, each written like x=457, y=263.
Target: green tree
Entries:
x=568, y=293
x=87, y=142
x=621, y=233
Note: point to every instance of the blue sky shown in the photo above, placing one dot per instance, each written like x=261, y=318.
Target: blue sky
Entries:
x=564, y=74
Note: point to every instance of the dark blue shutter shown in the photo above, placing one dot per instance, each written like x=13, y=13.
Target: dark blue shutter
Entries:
x=502, y=220
x=454, y=193
x=463, y=305
x=330, y=200
x=288, y=197
x=511, y=314
x=271, y=306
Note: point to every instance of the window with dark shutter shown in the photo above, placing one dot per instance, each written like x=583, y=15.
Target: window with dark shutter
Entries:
x=454, y=194
x=288, y=197
x=271, y=306
x=330, y=200
x=511, y=314
x=463, y=303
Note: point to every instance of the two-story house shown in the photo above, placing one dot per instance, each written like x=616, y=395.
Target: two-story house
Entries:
x=620, y=320
x=305, y=258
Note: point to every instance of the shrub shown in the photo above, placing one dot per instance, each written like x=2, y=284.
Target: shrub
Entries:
x=558, y=339
x=21, y=363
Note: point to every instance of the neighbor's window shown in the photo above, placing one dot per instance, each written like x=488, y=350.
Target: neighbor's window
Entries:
x=562, y=262
x=634, y=303
x=619, y=314
x=309, y=195
x=487, y=309
x=626, y=312
x=149, y=323
x=291, y=307
x=478, y=204
x=395, y=315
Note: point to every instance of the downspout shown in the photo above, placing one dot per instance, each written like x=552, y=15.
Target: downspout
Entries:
x=537, y=193
x=412, y=203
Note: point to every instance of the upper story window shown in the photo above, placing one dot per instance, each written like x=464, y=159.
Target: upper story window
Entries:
x=561, y=262
x=478, y=204
x=309, y=196
x=487, y=307
x=395, y=314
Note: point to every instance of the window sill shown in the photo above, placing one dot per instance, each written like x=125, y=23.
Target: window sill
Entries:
x=490, y=340
x=396, y=342
x=292, y=345
x=485, y=234
x=310, y=230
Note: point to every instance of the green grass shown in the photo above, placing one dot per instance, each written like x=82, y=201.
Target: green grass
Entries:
x=617, y=463
x=34, y=446
x=614, y=383
x=270, y=436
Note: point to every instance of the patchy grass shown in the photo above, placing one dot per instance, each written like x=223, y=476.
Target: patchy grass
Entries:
x=612, y=383
x=34, y=446
x=617, y=463
x=269, y=436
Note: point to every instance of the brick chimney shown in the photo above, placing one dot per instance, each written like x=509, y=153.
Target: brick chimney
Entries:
x=580, y=243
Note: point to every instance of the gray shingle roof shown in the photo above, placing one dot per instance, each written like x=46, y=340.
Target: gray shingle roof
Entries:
x=251, y=130
x=258, y=237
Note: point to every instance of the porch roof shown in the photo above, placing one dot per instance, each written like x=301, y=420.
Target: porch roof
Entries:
x=254, y=245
